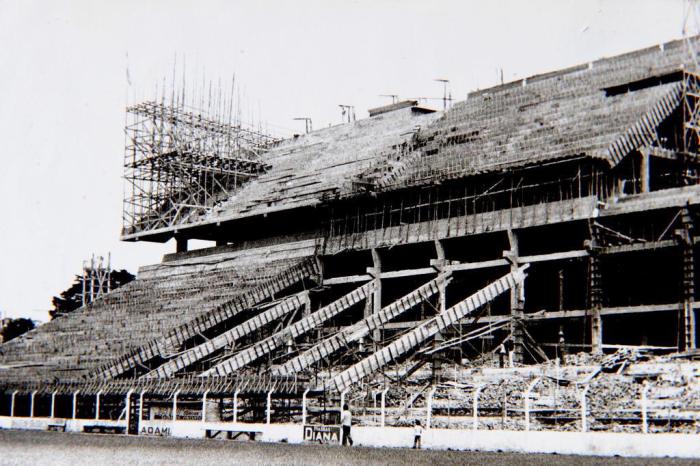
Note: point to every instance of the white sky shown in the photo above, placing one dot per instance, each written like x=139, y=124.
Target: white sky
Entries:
x=63, y=90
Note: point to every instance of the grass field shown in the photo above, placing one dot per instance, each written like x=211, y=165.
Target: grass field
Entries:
x=37, y=447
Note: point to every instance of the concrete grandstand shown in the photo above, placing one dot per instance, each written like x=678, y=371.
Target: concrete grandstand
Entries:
x=388, y=262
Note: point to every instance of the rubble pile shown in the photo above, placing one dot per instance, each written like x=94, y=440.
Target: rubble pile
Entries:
x=616, y=385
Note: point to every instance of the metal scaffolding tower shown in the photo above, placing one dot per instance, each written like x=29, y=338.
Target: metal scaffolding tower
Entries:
x=178, y=164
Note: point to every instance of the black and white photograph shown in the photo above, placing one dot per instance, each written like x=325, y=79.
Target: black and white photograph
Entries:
x=349, y=232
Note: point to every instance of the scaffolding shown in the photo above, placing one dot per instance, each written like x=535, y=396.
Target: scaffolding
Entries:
x=691, y=112
x=179, y=164
x=96, y=278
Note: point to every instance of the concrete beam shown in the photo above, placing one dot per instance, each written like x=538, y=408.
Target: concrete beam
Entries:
x=566, y=314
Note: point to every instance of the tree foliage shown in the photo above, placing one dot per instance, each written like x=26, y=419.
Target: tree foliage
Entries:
x=72, y=298
x=12, y=328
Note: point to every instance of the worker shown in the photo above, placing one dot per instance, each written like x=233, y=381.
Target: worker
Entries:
x=510, y=347
x=562, y=346
x=346, y=422
x=417, y=434
x=501, y=350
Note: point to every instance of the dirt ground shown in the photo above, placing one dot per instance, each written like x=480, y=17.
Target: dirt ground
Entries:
x=36, y=447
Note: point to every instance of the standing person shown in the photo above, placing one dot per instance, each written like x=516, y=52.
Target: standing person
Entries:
x=417, y=433
x=510, y=346
x=562, y=346
x=501, y=354
x=346, y=422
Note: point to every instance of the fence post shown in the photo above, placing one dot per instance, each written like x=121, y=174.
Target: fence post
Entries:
x=97, y=405
x=303, y=406
x=269, y=407
x=342, y=398
x=141, y=405
x=527, y=402
x=177, y=392
x=374, y=405
x=429, y=407
x=75, y=403
x=584, y=409
x=127, y=405
x=53, y=404
x=475, y=407
x=204, y=405
x=384, y=405
x=31, y=404
x=12, y=404
x=645, y=420
x=235, y=406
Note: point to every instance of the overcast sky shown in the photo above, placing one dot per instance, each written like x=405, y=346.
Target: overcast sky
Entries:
x=63, y=90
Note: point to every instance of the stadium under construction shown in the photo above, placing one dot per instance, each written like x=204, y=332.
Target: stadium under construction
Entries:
x=523, y=260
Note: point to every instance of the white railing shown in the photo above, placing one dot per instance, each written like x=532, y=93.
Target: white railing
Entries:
x=537, y=403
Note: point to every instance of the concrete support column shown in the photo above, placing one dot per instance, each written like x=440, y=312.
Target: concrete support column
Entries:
x=688, y=299
x=517, y=299
x=644, y=172
x=596, y=303
x=686, y=240
x=375, y=272
x=439, y=266
x=180, y=243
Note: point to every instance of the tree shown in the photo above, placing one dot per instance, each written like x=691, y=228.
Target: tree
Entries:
x=12, y=328
x=72, y=298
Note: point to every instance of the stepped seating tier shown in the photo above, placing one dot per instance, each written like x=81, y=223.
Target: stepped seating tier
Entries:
x=163, y=297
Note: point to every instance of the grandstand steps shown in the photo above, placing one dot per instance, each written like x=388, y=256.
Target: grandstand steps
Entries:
x=179, y=335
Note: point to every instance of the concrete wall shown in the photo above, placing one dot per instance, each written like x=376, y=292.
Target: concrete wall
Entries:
x=573, y=443
x=42, y=423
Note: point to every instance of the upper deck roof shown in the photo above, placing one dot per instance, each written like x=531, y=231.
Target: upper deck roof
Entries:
x=601, y=110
